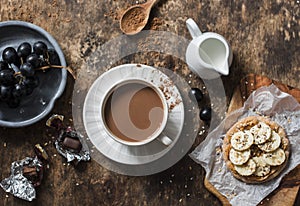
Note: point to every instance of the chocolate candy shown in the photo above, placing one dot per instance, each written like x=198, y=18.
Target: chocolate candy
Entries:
x=68, y=142
x=29, y=171
x=72, y=143
x=31, y=174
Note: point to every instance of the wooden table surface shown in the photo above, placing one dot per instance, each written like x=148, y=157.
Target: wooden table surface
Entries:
x=264, y=36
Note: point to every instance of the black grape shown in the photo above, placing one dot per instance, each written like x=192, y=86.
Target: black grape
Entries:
x=5, y=92
x=197, y=93
x=205, y=114
x=24, y=50
x=34, y=60
x=18, y=90
x=6, y=77
x=40, y=48
x=10, y=55
x=27, y=69
x=53, y=57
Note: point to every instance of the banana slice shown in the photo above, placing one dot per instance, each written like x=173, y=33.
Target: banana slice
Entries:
x=261, y=133
x=241, y=140
x=272, y=144
x=275, y=158
x=262, y=168
x=246, y=169
x=239, y=157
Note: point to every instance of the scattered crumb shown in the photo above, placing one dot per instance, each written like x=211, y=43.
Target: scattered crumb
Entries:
x=156, y=23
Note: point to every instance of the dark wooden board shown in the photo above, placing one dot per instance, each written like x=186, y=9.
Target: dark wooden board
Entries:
x=287, y=192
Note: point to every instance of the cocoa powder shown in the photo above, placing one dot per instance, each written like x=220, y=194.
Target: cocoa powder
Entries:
x=133, y=19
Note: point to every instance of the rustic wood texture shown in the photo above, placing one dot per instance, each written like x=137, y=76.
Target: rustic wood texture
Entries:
x=286, y=194
x=264, y=36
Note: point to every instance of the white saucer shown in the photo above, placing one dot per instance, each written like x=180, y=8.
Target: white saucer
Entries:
x=131, y=155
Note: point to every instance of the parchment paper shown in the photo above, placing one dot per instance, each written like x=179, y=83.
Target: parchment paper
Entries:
x=283, y=109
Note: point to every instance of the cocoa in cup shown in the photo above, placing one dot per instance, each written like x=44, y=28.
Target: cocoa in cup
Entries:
x=135, y=112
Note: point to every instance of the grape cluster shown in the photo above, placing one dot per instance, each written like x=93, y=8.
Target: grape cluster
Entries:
x=18, y=70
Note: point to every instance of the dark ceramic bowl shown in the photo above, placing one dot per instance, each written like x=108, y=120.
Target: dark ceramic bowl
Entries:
x=52, y=82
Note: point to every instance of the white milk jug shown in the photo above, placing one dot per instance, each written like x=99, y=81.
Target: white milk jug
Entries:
x=208, y=54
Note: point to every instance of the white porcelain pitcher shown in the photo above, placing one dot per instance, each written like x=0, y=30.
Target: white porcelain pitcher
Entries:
x=208, y=54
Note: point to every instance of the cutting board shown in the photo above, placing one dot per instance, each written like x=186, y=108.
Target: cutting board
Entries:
x=286, y=193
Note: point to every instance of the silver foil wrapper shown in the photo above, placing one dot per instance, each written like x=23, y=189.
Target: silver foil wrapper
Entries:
x=70, y=155
x=17, y=184
x=73, y=155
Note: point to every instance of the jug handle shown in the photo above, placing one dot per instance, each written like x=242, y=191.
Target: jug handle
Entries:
x=193, y=28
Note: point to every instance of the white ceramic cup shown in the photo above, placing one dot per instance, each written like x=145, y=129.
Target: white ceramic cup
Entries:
x=208, y=54
x=157, y=134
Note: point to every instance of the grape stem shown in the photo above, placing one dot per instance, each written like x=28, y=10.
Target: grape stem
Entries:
x=59, y=67
x=17, y=73
x=20, y=76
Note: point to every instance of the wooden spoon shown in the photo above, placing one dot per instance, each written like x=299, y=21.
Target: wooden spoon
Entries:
x=135, y=18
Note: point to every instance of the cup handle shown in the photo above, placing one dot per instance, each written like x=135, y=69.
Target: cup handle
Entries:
x=193, y=28
x=165, y=139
